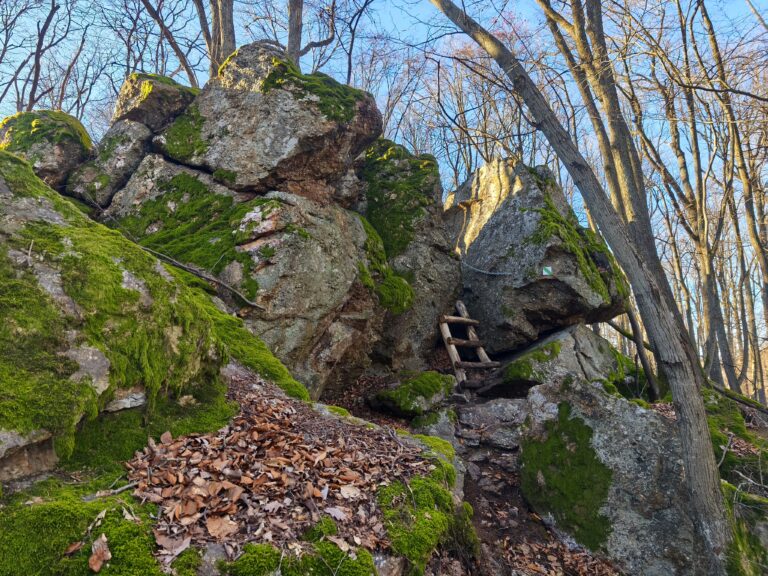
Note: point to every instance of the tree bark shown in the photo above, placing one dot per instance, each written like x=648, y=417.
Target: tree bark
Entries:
x=664, y=325
x=295, y=28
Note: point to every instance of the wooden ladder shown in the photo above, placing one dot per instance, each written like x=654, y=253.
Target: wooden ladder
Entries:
x=452, y=344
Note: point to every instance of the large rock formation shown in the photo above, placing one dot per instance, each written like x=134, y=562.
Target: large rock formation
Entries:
x=529, y=267
x=575, y=351
x=263, y=125
x=89, y=318
x=53, y=142
x=609, y=473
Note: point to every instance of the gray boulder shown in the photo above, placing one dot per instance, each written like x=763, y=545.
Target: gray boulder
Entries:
x=152, y=100
x=609, y=474
x=493, y=424
x=53, y=142
x=529, y=267
x=261, y=125
x=318, y=317
x=300, y=261
x=575, y=352
x=117, y=156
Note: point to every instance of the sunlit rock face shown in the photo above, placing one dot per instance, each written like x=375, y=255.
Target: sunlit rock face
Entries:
x=529, y=268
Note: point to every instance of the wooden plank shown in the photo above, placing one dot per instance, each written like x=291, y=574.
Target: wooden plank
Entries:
x=453, y=354
x=477, y=365
x=471, y=332
x=459, y=320
x=465, y=343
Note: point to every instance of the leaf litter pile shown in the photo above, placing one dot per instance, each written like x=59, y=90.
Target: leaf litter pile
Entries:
x=270, y=475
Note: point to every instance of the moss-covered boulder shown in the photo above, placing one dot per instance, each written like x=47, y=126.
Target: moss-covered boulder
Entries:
x=575, y=352
x=529, y=267
x=403, y=203
x=415, y=395
x=84, y=313
x=53, y=142
x=301, y=261
x=270, y=127
x=119, y=153
x=609, y=473
x=152, y=100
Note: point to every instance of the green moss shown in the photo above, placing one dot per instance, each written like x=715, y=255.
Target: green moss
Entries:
x=36, y=535
x=724, y=416
x=336, y=101
x=187, y=563
x=414, y=394
x=437, y=446
x=584, y=244
x=523, y=369
x=325, y=560
x=417, y=517
x=225, y=176
x=226, y=62
x=172, y=341
x=399, y=187
x=746, y=554
x=393, y=291
x=183, y=138
x=36, y=388
x=196, y=227
x=325, y=527
x=108, y=146
x=431, y=418
x=252, y=353
x=25, y=129
x=562, y=475
x=339, y=411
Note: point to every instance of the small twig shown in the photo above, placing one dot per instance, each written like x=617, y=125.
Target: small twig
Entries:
x=750, y=481
x=725, y=449
x=29, y=253
x=107, y=493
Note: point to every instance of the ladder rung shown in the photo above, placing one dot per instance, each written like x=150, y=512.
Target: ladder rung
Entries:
x=465, y=343
x=477, y=365
x=459, y=320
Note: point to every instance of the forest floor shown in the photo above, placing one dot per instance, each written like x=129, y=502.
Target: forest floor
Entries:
x=515, y=541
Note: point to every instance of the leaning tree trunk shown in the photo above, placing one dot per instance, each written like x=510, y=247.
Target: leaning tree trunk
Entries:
x=663, y=323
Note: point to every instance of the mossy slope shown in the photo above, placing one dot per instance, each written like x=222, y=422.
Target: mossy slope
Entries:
x=160, y=330
x=392, y=290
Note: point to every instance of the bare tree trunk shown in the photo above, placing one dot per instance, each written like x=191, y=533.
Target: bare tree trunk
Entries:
x=295, y=28
x=662, y=320
x=643, y=355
